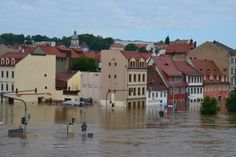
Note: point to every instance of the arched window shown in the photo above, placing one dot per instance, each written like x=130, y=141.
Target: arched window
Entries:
x=7, y=61
x=2, y=61
x=13, y=61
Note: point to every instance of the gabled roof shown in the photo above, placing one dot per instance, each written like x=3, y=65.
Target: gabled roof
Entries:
x=93, y=54
x=187, y=69
x=154, y=80
x=166, y=64
x=18, y=56
x=207, y=67
x=52, y=51
x=136, y=55
x=178, y=48
x=74, y=55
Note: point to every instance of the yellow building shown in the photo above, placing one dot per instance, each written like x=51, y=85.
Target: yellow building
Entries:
x=25, y=71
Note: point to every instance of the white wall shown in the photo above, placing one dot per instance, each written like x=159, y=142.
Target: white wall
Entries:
x=90, y=85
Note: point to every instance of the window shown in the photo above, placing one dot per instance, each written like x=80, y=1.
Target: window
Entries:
x=45, y=87
x=115, y=76
x=143, y=91
x=143, y=77
x=176, y=90
x=12, y=87
x=2, y=72
x=200, y=90
x=12, y=74
x=6, y=74
x=161, y=95
x=2, y=87
x=156, y=94
x=115, y=64
x=130, y=91
x=170, y=91
x=149, y=94
x=138, y=91
x=139, y=77
x=6, y=87
x=232, y=60
x=109, y=64
x=45, y=75
x=109, y=76
x=134, y=91
x=153, y=95
x=232, y=71
x=197, y=90
x=134, y=77
x=182, y=90
x=130, y=78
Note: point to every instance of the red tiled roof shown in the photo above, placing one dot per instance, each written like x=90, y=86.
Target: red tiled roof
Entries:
x=64, y=76
x=154, y=80
x=173, y=48
x=16, y=55
x=78, y=50
x=136, y=55
x=74, y=55
x=207, y=67
x=166, y=64
x=93, y=54
x=187, y=69
x=52, y=51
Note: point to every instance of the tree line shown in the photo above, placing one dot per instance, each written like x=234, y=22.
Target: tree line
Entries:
x=95, y=43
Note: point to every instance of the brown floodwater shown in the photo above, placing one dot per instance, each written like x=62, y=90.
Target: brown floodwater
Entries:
x=124, y=132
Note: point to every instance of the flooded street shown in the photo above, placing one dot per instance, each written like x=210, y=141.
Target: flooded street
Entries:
x=122, y=132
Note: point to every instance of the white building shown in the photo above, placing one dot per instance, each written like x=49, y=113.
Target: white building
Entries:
x=90, y=85
x=194, y=80
x=156, y=88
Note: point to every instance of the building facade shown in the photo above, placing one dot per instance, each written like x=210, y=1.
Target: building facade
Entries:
x=123, y=77
x=22, y=71
x=156, y=88
x=174, y=79
x=194, y=80
x=215, y=83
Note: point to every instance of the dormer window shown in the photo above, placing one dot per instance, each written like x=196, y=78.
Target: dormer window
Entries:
x=7, y=61
x=13, y=61
x=2, y=61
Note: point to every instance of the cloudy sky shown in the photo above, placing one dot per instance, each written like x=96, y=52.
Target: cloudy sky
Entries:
x=151, y=20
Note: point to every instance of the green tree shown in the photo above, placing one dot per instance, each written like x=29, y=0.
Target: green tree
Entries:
x=142, y=49
x=209, y=106
x=231, y=101
x=85, y=64
x=167, y=40
x=130, y=47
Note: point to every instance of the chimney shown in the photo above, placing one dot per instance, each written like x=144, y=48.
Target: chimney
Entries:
x=68, y=62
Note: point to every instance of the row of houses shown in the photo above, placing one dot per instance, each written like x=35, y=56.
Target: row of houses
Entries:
x=182, y=73
x=47, y=69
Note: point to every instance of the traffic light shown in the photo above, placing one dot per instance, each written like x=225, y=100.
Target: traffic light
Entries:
x=23, y=121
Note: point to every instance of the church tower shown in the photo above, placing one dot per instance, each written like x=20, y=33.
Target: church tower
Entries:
x=74, y=41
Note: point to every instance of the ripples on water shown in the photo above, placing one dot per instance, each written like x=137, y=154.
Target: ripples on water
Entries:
x=122, y=132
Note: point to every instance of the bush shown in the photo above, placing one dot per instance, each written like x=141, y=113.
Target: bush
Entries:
x=209, y=106
x=231, y=102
